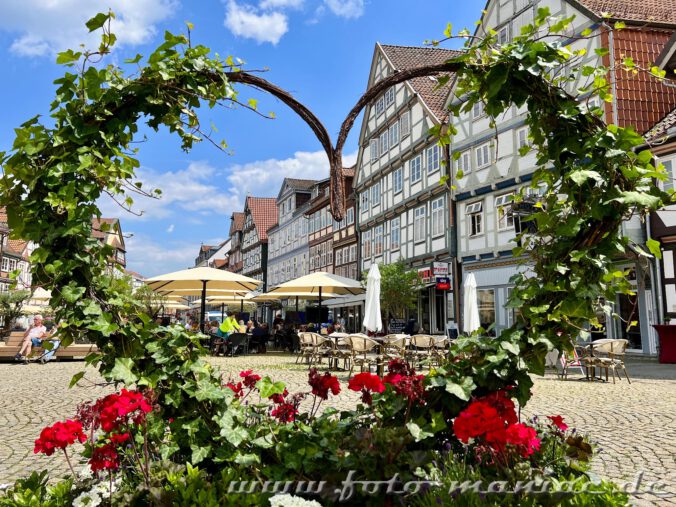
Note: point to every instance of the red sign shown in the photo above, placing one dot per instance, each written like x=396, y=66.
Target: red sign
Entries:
x=443, y=283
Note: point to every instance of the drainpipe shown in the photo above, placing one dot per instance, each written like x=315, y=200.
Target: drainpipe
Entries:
x=613, y=79
x=453, y=239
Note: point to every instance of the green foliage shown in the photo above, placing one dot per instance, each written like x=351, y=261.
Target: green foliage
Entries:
x=35, y=491
x=11, y=304
x=399, y=287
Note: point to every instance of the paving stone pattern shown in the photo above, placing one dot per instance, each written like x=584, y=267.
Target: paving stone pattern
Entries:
x=634, y=425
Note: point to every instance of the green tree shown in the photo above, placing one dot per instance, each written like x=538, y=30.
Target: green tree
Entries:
x=11, y=305
x=399, y=287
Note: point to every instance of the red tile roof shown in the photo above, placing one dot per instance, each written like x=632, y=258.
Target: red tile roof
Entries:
x=264, y=213
x=237, y=223
x=206, y=248
x=98, y=222
x=641, y=100
x=134, y=274
x=644, y=11
x=220, y=263
x=349, y=172
x=409, y=57
x=662, y=127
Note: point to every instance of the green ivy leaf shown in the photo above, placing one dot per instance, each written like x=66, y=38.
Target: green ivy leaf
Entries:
x=417, y=432
x=463, y=390
x=97, y=21
x=199, y=453
x=123, y=370
x=267, y=388
x=76, y=378
x=655, y=247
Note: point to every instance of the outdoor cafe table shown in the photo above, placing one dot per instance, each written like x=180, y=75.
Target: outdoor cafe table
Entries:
x=588, y=347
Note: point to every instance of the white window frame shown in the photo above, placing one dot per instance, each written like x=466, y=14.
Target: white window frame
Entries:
x=394, y=134
x=366, y=245
x=398, y=180
x=478, y=110
x=475, y=219
x=378, y=240
x=380, y=106
x=433, y=156
x=482, y=155
x=668, y=164
x=395, y=227
x=389, y=96
x=503, y=212
x=364, y=199
x=383, y=145
x=521, y=137
x=419, y=224
x=464, y=162
x=437, y=212
x=353, y=253
x=415, y=168
x=374, y=149
x=405, y=124
x=350, y=216
x=375, y=194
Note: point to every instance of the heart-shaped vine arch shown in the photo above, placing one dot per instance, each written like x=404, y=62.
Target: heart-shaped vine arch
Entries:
x=55, y=174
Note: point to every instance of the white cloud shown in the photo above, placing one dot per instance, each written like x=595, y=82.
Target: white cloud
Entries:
x=264, y=177
x=185, y=193
x=170, y=229
x=150, y=257
x=346, y=8
x=246, y=21
x=43, y=27
x=281, y=4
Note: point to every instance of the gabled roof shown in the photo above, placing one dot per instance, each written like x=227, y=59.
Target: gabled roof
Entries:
x=662, y=127
x=16, y=248
x=113, y=234
x=349, y=172
x=299, y=184
x=206, y=248
x=134, y=274
x=410, y=57
x=264, y=213
x=237, y=223
x=642, y=11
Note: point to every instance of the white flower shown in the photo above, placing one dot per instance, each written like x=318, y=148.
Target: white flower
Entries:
x=86, y=472
x=104, y=487
x=292, y=501
x=87, y=499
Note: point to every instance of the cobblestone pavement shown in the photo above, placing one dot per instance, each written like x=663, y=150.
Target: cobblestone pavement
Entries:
x=634, y=425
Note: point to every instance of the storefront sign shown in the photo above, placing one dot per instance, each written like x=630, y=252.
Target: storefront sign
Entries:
x=440, y=269
x=443, y=283
x=425, y=275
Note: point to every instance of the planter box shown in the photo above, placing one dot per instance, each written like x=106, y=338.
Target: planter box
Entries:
x=667, y=336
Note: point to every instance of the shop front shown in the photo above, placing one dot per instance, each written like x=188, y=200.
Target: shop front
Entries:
x=347, y=311
x=435, y=312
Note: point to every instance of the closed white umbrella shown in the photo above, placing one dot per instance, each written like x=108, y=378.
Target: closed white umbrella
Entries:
x=470, y=320
x=202, y=279
x=372, y=319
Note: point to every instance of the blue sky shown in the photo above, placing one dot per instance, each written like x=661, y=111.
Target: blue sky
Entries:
x=320, y=50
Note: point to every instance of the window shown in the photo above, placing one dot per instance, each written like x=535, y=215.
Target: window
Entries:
x=380, y=106
x=416, y=173
x=474, y=213
x=438, y=217
x=394, y=134
x=384, y=146
x=503, y=35
x=486, y=299
x=364, y=200
x=505, y=216
x=395, y=233
x=522, y=137
x=389, y=96
x=350, y=216
x=397, y=180
x=375, y=195
x=483, y=157
x=405, y=124
x=433, y=159
x=465, y=162
x=477, y=110
x=374, y=149
x=419, y=224
x=668, y=184
x=353, y=253
x=366, y=245
x=378, y=240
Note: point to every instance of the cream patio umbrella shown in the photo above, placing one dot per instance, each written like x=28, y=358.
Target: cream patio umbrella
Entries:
x=202, y=279
x=470, y=317
x=372, y=319
x=322, y=284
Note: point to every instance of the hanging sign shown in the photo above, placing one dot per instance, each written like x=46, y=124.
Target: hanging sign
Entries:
x=443, y=283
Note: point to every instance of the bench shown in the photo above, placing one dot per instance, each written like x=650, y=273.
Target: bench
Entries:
x=74, y=351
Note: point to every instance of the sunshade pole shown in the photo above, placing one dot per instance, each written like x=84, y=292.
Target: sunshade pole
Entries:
x=222, y=312
x=204, y=305
x=296, y=306
x=320, y=309
x=241, y=306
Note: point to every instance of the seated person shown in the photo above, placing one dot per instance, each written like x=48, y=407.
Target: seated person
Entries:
x=259, y=338
x=32, y=338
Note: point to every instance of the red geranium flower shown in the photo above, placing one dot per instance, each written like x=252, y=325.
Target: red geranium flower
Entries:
x=104, y=457
x=114, y=410
x=557, y=420
x=367, y=383
x=59, y=436
x=285, y=412
x=236, y=388
x=476, y=420
x=250, y=378
x=524, y=438
x=322, y=384
x=279, y=398
x=119, y=438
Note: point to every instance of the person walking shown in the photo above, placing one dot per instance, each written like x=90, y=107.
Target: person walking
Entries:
x=31, y=338
x=227, y=327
